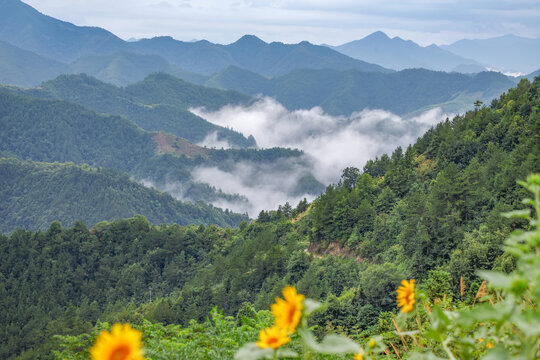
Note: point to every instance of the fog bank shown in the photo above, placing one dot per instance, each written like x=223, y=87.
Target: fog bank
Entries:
x=332, y=143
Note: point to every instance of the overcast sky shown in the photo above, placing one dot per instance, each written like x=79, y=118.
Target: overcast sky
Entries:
x=318, y=21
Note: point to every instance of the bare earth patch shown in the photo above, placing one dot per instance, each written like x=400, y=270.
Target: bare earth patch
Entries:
x=176, y=145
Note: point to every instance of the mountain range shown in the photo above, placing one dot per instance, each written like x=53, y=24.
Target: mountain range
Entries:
x=344, y=92
x=465, y=56
x=509, y=53
x=49, y=130
x=25, y=27
x=130, y=110
x=159, y=103
x=299, y=75
x=398, y=54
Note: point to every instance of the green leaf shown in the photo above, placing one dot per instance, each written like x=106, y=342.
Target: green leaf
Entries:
x=497, y=279
x=310, y=306
x=408, y=333
x=528, y=325
x=439, y=320
x=424, y=356
x=331, y=344
x=525, y=214
x=251, y=351
x=281, y=353
x=497, y=353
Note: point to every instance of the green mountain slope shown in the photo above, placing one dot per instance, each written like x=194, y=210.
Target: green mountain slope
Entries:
x=344, y=92
x=124, y=68
x=431, y=212
x=48, y=130
x=165, y=89
x=25, y=68
x=25, y=27
x=164, y=110
x=35, y=194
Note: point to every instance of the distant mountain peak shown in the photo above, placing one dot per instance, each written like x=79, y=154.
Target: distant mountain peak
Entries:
x=378, y=35
x=249, y=40
x=162, y=38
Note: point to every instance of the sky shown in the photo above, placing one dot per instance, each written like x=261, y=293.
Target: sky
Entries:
x=331, y=22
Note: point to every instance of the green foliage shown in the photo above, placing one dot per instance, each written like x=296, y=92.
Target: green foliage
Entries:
x=58, y=131
x=507, y=325
x=63, y=280
x=216, y=338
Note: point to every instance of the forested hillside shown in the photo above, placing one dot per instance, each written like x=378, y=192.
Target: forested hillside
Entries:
x=35, y=194
x=431, y=212
x=59, y=131
x=158, y=103
x=344, y=92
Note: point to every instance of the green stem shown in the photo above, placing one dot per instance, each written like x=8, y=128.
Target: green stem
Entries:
x=447, y=349
x=306, y=350
x=418, y=319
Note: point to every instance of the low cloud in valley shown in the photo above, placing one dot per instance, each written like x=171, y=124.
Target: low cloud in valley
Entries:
x=330, y=144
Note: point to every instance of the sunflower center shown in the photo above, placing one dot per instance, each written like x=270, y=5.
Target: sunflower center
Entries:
x=120, y=353
x=292, y=311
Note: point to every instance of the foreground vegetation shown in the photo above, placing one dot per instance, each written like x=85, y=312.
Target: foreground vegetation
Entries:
x=505, y=324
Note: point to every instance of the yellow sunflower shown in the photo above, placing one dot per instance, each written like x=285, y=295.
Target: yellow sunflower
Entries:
x=405, y=296
x=122, y=343
x=360, y=355
x=289, y=311
x=273, y=337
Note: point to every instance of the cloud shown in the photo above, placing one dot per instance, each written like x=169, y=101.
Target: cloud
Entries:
x=162, y=4
x=330, y=143
x=176, y=189
x=265, y=185
x=211, y=141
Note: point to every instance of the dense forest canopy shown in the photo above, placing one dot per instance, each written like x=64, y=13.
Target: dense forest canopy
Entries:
x=430, y=212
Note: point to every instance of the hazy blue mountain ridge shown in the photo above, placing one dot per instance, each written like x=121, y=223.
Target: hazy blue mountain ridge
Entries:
x=26, y=28
x=124, y=68
x=507, y=53
x=25, y=68
x=398, y=54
